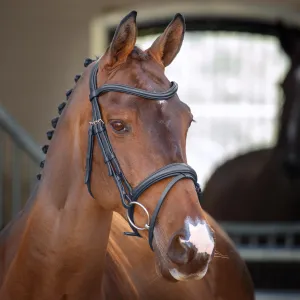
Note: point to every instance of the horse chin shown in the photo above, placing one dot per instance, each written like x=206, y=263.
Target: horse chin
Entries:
x=178, y=276
x=173, y=273
x=162, y=265
x=165, y=273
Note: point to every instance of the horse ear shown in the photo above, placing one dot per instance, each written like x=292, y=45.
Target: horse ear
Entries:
x=167, y=45
x=123, y=41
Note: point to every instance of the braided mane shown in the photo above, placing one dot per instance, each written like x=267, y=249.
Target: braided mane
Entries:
x=60, y=108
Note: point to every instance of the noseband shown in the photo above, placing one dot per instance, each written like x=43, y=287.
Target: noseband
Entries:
x=129, y=196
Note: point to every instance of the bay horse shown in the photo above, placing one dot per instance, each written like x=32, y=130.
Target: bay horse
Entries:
x=56, y=248
x=264, y=185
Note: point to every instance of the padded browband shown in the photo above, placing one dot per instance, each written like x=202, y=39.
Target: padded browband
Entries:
x=121, y=88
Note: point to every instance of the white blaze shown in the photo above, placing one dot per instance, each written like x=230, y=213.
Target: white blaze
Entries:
x=199, y=235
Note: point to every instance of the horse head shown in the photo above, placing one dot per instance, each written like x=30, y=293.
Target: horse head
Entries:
x=129, y=129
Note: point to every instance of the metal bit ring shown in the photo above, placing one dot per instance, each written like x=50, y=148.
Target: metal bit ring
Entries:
x=147, y=225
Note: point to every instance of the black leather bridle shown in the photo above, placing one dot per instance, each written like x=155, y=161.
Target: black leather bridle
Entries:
x=129, y=196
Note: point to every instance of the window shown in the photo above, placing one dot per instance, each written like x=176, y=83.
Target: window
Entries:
x=231, y=82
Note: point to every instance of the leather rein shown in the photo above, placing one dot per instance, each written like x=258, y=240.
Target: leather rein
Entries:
x=129, y=196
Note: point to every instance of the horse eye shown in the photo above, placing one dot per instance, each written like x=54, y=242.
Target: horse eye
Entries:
x=118, y=126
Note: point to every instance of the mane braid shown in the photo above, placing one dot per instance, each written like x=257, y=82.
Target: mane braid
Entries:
x=60, y=108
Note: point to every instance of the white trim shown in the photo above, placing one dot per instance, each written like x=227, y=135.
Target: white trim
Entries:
x=100, y=25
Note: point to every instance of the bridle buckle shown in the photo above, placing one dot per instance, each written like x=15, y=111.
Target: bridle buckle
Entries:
x=99, y=121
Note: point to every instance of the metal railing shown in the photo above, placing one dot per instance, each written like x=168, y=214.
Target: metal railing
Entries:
x=271, y=242
x=19, y=160
x=20, y=136
x=268, y=244
x=270, y=295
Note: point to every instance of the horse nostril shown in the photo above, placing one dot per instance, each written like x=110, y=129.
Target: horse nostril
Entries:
x=180, y=251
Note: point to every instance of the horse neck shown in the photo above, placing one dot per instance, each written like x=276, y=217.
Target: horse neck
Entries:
x=65, y=235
